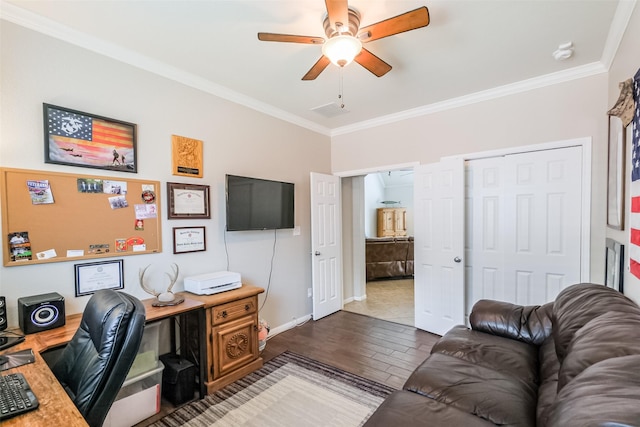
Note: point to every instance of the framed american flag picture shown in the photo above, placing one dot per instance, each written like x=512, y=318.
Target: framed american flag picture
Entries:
x=76, y=138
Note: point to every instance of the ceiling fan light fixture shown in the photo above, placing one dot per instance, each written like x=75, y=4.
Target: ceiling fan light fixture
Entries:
x=342, y=49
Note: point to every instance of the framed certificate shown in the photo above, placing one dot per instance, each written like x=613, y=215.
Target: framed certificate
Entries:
x=94, y=276
x=188, y=201
x=188, y=239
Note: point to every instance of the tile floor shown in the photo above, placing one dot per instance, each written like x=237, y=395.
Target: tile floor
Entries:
x=390, y=300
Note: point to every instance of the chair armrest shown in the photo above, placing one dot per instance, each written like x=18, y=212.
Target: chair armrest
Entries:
x=530, y=324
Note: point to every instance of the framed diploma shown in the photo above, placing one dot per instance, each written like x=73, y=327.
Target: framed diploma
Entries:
x=94, y=276
x=188, y=239
x=188, y=201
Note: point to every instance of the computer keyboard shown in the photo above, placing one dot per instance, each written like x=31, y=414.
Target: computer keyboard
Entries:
x=16, y=396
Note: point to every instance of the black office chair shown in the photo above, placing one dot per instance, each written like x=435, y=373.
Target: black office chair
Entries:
x=96, y=361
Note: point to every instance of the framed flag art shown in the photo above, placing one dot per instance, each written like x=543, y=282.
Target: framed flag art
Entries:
x=76, y=138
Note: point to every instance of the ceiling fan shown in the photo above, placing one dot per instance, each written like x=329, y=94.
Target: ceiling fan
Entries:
x=345, y=37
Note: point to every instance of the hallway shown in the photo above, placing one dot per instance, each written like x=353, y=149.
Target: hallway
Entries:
x=390, y=300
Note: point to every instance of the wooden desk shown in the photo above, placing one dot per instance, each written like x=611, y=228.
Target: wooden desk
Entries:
x=56, y=408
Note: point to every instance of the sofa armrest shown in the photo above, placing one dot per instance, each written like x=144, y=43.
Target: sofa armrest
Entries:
x=530, y=324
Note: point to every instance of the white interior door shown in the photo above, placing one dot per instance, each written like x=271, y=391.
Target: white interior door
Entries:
x=439, y=245
x=326, y=244
x=524, y=220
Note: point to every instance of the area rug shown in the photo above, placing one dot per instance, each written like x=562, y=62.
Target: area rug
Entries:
x=289, y=390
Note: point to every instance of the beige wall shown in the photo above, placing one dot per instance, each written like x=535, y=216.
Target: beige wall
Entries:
x=37, y=69
x=564, y=111
x=237, y=140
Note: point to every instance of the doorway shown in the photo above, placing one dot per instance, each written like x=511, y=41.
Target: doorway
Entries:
x=386, y=288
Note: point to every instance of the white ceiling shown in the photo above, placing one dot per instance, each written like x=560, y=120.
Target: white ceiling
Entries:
x=471, y=50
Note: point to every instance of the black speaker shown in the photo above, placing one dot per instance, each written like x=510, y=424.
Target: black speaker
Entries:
x=3, y=313
x=41, y=312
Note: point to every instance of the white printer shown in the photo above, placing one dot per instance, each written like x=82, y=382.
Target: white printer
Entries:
x=212, y=283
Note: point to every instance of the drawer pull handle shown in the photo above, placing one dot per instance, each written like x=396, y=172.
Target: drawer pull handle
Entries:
x=224, y=314
x=246, y=307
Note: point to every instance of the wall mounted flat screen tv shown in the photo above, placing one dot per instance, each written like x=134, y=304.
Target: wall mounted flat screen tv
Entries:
x=258, y=204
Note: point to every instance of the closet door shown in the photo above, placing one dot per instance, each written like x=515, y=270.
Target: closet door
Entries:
x=524, y=226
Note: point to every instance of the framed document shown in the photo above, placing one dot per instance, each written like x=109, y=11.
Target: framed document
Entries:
x=94, y=276
x=189, y=239
x=188, y=201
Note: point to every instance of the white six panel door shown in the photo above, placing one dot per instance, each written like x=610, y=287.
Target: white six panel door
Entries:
x=326, y=244
x=439, y=245
x=524, y=225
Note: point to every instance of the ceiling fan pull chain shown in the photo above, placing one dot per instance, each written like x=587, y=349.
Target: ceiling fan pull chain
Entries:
x=341, y=90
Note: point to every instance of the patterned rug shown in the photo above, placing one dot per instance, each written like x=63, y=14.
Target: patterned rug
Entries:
x=289, y=390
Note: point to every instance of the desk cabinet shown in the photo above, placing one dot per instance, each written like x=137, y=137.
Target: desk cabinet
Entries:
x=231, y=335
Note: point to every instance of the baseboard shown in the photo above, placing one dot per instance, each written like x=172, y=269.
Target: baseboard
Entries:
x=289, y=325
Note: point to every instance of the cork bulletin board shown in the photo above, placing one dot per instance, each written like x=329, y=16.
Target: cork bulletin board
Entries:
x=54, y=217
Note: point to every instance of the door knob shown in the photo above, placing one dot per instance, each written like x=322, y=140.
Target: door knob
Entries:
x=457, y=259
x=317, y=253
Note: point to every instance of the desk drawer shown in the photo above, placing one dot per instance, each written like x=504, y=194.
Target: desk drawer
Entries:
x=233, y=310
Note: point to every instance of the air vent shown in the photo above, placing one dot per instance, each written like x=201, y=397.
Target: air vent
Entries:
x=330, y=110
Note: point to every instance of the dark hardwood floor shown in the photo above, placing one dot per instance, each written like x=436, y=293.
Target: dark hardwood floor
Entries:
x=376, y=349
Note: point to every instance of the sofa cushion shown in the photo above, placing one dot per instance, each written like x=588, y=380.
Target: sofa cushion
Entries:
x=403, y=408
x=531, y=324
x=604, y=394
x=493, y=395
x=609, y=335
x=578, y=304
x=548, y=388
x=495, y=352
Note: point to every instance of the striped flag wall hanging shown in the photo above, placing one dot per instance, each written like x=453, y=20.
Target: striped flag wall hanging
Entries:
x=634, y=239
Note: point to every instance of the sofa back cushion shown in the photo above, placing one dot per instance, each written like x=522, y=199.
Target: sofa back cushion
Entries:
x=607, y=336
x=530, y=324
x=604, y=394
x=576, y=305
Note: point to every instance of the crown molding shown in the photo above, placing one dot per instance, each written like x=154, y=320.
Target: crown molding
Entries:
x=616, y=31
x=485, y=95
x=51, y=28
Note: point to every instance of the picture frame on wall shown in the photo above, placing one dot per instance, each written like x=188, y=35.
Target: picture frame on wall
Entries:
x=614, y=265
x=188, y=201
x=76, y=138
x=615, y=173
x=189, y=239
x=186, y=156
x=94, y=276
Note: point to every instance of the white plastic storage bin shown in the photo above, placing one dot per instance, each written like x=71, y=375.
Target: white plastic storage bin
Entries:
x=138, y=399
x=147, y=358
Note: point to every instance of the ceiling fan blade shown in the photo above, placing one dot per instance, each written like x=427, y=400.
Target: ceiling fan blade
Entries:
x=289, y=38
x=372, y=63
x=338, y=11
x=317, y=68
x=417, y=18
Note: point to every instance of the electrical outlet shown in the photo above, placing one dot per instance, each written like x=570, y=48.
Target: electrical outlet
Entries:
x=309, y=292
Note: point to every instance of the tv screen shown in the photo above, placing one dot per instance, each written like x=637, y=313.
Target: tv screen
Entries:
x=258, y=204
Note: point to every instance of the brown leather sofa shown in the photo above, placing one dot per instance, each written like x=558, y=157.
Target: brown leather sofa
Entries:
x=572, y=362
x=389, y=257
